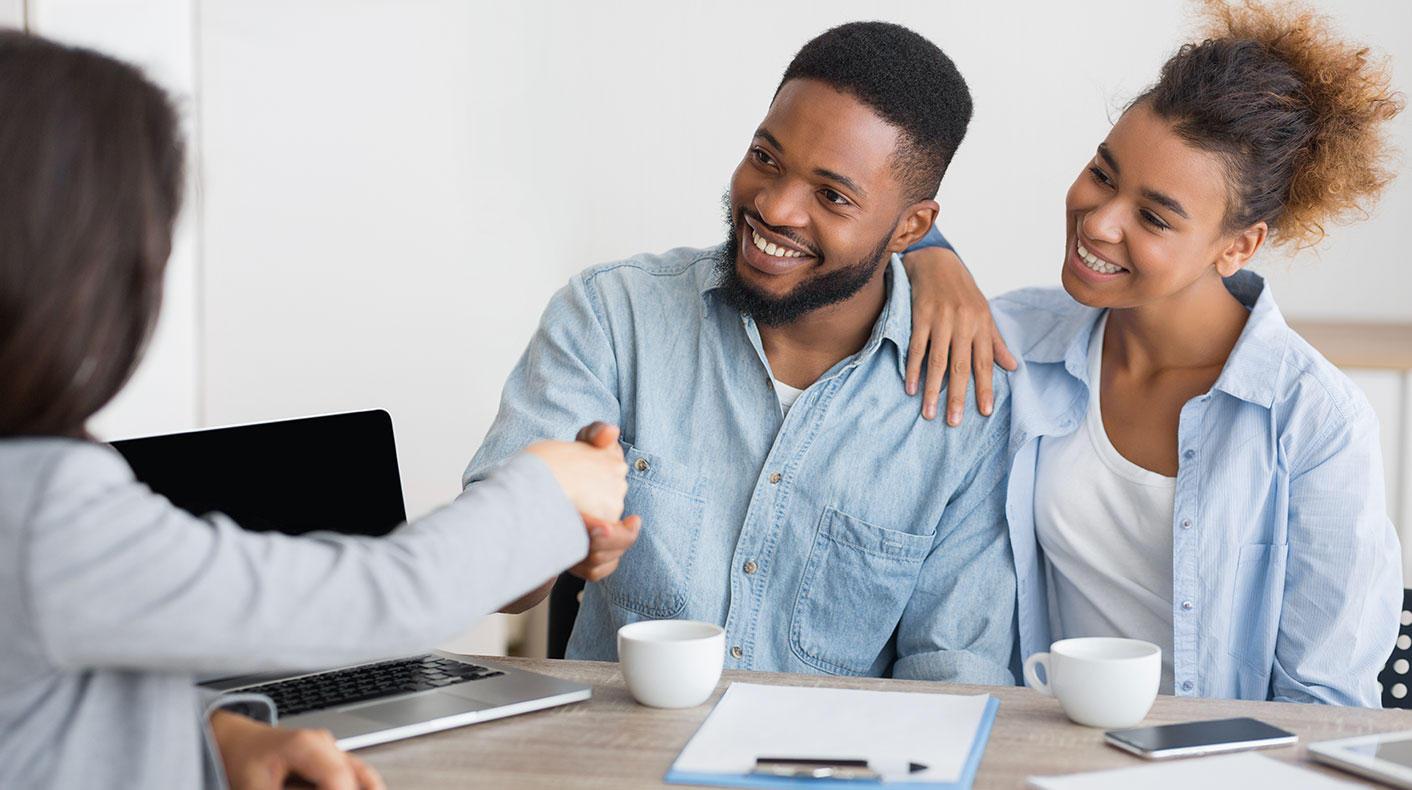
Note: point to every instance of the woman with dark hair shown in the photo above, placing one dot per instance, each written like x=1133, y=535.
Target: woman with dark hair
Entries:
x=1185, y=468
x=115, y=598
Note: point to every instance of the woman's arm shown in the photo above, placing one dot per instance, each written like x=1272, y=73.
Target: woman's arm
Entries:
x=118, y=577
x=950, y=314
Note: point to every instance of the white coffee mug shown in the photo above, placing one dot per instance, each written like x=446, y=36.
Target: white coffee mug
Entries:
x=1099, y=681
x=671, y=663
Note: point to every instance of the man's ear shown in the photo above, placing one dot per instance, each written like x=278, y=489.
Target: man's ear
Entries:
x=916, y=220
x=1241, y=249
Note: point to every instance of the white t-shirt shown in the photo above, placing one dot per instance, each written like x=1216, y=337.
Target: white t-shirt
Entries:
x=1105, y=525
x=787, y=395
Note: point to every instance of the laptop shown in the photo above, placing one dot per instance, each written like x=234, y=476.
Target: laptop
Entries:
x=334, y=473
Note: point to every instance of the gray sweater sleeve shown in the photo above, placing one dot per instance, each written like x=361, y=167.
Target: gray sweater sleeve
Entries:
x=118, y=577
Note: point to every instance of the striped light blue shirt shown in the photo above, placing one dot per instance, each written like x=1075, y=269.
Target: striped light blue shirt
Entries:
x=1286, y=572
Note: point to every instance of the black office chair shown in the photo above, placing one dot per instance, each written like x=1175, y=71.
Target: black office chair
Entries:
x=563, y=610
x=1395, y=681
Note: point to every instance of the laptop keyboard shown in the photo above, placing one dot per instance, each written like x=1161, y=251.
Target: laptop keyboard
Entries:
x=370, y=681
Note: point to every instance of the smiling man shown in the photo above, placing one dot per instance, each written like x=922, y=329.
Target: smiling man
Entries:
x=789, y=491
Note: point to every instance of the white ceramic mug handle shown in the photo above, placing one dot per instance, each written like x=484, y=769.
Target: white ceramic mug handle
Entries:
x=1032, y=677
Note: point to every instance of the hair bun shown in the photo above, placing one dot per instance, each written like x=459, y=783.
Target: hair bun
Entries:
x=1348, y=161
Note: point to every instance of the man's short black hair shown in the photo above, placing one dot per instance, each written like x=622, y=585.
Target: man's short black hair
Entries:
x=907, y=80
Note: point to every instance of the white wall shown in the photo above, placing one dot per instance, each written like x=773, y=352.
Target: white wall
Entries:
x=159, y=37
x=394, y=188
x=12, y=13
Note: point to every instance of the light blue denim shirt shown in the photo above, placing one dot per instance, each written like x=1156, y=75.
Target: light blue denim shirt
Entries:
x=1286, y=572
x=851, y=537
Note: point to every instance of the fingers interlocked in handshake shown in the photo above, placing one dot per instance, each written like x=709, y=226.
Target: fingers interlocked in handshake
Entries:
x=593, y=474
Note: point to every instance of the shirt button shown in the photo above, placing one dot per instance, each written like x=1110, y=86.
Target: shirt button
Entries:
x=1206, y=398
x=1190, y=453
x=750, y=566
x=775, y=478
x=640, y=464
x=736, y=652
x=769, y=384
x=1186, y=686
x=1186, y=524
x=1186, y=605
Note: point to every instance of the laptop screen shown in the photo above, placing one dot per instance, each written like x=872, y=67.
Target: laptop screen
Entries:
x=336, y=472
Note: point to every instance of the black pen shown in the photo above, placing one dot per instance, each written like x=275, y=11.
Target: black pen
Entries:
x=831, y=768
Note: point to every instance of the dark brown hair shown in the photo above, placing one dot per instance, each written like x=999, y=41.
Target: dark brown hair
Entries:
x=90, y=185
x=1296, y=114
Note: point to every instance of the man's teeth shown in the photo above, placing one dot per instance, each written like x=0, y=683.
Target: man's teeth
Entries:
x=1094, y=263
x=769, y=248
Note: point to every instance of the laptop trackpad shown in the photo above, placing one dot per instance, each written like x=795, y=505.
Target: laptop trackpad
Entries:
x=420, y=708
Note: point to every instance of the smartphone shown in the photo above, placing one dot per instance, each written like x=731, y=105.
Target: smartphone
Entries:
x=1198, y=737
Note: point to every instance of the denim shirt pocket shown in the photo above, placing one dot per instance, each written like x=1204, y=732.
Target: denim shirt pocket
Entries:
x=1255, y=620
x=855, y=587
x=655, y=573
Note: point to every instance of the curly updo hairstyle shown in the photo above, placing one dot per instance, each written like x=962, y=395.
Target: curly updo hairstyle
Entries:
x=1295, y=113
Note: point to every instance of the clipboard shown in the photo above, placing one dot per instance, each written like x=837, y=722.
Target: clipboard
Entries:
x=945, y=732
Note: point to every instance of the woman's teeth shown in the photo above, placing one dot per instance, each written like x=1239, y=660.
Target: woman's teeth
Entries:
x=769, y=248
x=1094, y=263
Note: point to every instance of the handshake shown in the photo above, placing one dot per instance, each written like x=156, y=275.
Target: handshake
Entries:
x=593, y=474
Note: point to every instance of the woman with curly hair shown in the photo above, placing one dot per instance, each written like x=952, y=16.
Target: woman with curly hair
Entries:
x=1185, y=468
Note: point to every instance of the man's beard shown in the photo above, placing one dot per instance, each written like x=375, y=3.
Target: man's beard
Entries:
x=806, y=297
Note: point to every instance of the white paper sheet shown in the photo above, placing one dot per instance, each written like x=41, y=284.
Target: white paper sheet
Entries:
x=887, y=728
x=1196, y=773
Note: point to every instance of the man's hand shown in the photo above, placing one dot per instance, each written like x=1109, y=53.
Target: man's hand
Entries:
x=599, y=434
x=257, y=756
x=606, y=545
x=950, y=313
x=607, y=541
x=592, y=474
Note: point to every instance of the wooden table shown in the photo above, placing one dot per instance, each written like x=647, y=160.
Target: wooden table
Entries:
x=612, y=742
